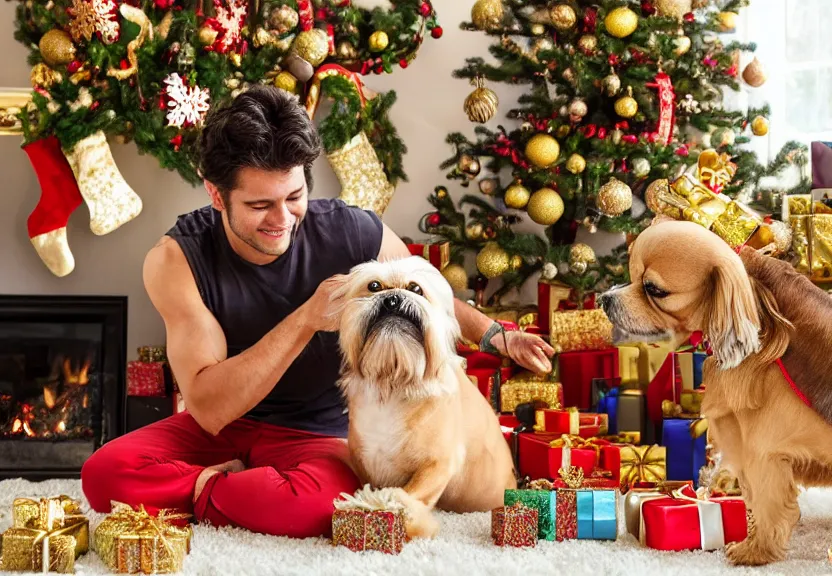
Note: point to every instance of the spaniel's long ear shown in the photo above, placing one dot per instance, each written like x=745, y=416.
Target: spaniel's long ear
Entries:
x=733, y=324
x=775, y=329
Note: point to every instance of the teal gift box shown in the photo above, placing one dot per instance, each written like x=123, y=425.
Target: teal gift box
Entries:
x=541, y=500
x=586, y=514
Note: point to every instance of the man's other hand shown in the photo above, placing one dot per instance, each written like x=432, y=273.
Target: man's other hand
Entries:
x=322, y=312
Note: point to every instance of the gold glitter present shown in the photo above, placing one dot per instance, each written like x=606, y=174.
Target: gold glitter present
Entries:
x=580, y=330
x=643, y=464
x=515, y=392
x=369, y=520
x=515, y=525
x=58, y=512
x=799, y=204
x=23, y=550
x=152, y=354
x=821, y=234
x=131, y=541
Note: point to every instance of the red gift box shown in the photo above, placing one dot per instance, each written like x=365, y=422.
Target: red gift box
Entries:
x=577, y=370
x=684, y=523
x=488, y=383
x=666, y=385
x=437, y=254
x=514, y=525
x=508, y=422
x=555, y=296
x=485, y=361
x=145, y=378
x=570, y=421
x=601, y=463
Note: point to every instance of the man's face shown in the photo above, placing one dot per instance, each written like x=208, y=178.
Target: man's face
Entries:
x=263, y=209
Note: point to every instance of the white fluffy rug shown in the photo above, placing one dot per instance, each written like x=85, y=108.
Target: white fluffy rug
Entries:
x=463, y=548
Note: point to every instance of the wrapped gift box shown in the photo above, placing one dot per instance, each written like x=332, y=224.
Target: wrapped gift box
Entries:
x=686, y=369
x=515, y=525
x=604, y=400
x=685, y=448
x=632, y=414
x=651, y=358
x=580, y=330
x=488, y=385
x=23, y=551
x=577, y=370
x=519, y=391
x=647, y=491
x=475, y=360
x=554, y=296
x=570, y=421
x=640, y=464
x=369, y=520
x=675, y=523
x=698, y=361
x=587, y=514
x=542, y=502
x=628, y=366
x=145, y=378
x=438, y=254
x=599, y=460
x=666, y=386
x=47, y=514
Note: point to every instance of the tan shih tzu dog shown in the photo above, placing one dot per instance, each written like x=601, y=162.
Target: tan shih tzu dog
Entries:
x=768, y=395
x=417, y=423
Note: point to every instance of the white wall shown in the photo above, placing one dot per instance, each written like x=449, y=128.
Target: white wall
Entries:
x=429, y=106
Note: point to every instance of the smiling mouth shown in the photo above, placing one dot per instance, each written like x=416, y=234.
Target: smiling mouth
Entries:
x=275, y=233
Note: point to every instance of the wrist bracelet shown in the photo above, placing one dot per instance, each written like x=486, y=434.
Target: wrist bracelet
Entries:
x=485, y=341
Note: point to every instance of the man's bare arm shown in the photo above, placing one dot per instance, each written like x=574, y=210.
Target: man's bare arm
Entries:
x=217, y=390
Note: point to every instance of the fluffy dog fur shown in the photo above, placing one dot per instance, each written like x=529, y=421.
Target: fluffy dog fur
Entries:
x=753, y=309
x=416, y=421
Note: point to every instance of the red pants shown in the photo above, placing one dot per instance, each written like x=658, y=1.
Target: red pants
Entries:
x=287, y=489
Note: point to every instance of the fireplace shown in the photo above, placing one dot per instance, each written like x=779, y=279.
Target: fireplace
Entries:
x=62, y=381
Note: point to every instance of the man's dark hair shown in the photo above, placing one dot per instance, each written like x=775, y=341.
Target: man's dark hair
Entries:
x=265, y=128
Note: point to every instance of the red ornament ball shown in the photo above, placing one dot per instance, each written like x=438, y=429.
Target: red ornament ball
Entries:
x=436, y=32
x=689, y=17
x=433, y=219
x=647, y=8
x=403, y=63
x=425, y=9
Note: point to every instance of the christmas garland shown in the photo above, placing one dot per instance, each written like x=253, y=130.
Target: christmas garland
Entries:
x=149, y=71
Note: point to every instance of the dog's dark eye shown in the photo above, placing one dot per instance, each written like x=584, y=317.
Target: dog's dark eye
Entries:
x=374, y=286
x=415, y=288
x=654, y=291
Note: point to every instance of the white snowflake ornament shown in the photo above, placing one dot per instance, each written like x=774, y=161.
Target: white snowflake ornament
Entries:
x=369, y=5
x=90, y=17
x=187, y=105
x=229, y=21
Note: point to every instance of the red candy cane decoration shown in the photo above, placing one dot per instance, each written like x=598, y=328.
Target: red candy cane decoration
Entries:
x=667, y=107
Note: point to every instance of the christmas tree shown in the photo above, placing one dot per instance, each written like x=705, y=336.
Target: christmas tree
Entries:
x=623, y=120
x=149, y=71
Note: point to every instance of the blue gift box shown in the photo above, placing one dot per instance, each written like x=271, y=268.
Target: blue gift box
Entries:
x=698, y=361
x=595, y=514
x=605, y=400
x=685, y=454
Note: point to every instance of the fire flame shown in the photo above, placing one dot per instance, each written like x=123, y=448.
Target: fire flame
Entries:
x=79, y=378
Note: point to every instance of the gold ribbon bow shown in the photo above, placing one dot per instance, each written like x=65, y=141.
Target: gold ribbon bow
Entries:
x=574, y=442
x=715, y=170
x=643, y=464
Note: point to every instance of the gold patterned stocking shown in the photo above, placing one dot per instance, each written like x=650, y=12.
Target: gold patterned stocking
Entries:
x=109, y=198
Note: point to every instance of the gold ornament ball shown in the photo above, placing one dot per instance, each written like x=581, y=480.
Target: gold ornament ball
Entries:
x=57, y=48
x=207, y=35
x=563, y=17
x=580, y=257
x=588, y=43
x=614, y=198
x=728, y=20
x=493, y=261
x=724, y=137
x=542, y=150
x=286, y=81
x=516, y=262
x=621, y=22
x=456, y=276
x=441, y=192
x=569, y=75
x=755, y=74
x=576, y=164
x=312, y=46
x=578, y=108
x=674, y=8
x=517, y=196
x=379, y=41
x=473, y=231
x=346, y=51
x=42, y=76
x=626, y=106
x=545, y=207
x=283, y=19
x=563, y=131
x=611, y=84
x=481, y=104
x=537, y=29
x=759, y=126
x=653, y=196
x=682, y=45
x=488, y=14
x=469, y=165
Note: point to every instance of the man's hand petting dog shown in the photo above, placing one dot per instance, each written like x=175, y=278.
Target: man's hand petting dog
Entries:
x=322, y=312
x=528, y=350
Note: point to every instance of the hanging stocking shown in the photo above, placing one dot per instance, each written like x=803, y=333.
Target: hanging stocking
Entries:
x=59, y=197
x=109, y=198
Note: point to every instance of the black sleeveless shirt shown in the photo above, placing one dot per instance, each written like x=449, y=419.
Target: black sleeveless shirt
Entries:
x=248, y=300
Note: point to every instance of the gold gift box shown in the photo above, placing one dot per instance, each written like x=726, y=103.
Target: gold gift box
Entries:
x=810, y=220
x=514, y=392
x=643, y=464
x=64, y=512
x=23, y=550
x=574, y=330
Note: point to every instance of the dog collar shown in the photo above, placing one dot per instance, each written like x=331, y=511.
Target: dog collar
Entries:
x=792, y=385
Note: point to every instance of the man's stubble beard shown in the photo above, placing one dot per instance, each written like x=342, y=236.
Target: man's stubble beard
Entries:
x=253, y=242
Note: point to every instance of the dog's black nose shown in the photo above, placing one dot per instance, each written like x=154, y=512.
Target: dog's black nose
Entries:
x=392, y=302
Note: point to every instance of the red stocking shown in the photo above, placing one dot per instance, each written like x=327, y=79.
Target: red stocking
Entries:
x=59, y=197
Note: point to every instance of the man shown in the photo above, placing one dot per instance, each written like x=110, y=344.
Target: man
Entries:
x=244, y=288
